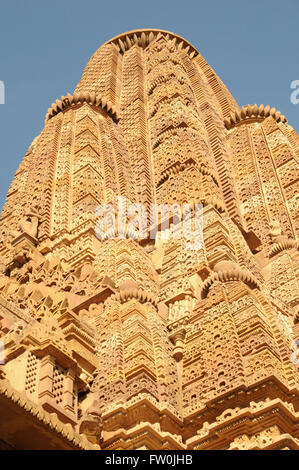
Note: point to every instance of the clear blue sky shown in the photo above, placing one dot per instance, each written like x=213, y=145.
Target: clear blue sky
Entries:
x=44, y=46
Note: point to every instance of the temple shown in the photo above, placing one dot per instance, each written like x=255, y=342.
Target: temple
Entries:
x=130, y=342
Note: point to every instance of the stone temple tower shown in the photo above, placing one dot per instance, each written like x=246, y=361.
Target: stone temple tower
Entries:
x=129, y=343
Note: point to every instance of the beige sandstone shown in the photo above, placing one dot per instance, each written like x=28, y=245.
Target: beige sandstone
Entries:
x=130, y=344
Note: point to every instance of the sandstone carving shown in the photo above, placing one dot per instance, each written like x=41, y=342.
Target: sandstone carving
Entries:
x=119, y=341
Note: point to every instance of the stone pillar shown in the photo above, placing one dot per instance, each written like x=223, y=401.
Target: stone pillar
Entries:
x=46, y=378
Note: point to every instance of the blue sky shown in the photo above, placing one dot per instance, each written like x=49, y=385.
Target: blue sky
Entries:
x=44, y=46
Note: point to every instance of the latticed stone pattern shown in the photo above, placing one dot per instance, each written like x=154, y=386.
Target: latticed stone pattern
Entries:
x=58, y=384
x=144, y=343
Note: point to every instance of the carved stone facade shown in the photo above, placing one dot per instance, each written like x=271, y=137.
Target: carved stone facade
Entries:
x=143, y=344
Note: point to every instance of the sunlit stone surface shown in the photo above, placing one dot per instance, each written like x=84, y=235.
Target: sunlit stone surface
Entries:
x=145, y=344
